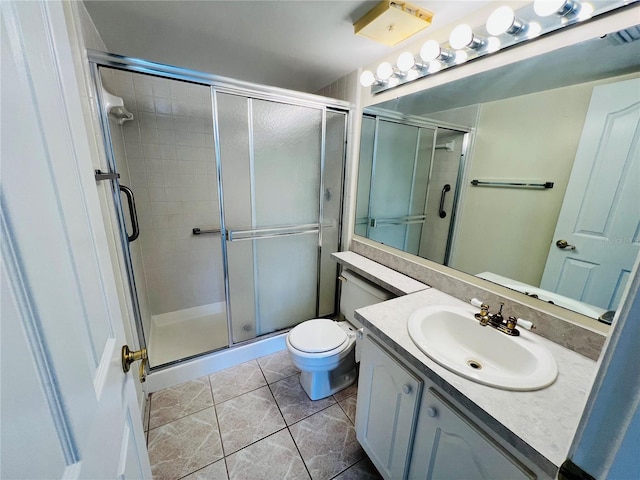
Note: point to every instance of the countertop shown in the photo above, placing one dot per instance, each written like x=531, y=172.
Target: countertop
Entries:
x=539, y=424
x=394, y=282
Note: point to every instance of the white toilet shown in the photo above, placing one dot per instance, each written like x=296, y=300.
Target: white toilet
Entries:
x=324, y=350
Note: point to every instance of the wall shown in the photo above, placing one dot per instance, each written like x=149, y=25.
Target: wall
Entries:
x=171, y=165
x=532, y=137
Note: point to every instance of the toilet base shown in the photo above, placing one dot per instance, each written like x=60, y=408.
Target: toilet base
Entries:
x=318, y=385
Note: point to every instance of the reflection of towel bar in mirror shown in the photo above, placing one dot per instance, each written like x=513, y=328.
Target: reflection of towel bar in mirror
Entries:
x=410, y=220
x=199, y=231
x=488, y=183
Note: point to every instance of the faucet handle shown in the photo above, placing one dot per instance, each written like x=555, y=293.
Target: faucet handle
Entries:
x=521, y=322
x=478, y=303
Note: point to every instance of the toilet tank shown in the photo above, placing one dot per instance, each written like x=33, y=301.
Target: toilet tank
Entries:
x=358, y=292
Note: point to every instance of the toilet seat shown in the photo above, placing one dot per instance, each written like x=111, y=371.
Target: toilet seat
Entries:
x=317, y=336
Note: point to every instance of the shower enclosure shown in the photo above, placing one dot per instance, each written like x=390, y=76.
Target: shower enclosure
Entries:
x=408, y=184
x=235, y=190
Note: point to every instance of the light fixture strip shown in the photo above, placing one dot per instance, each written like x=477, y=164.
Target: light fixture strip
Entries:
x=504, y=28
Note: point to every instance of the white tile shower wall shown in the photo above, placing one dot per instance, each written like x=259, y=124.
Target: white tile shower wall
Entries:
x=169, y=148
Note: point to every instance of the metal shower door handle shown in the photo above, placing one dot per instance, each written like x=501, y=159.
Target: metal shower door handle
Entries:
x=132, y=212
x=441, y=211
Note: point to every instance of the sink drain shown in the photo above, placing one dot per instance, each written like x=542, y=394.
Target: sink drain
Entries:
x=474, y=364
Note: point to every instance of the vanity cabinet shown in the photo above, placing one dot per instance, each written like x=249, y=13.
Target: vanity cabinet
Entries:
x=410, y=430
x=449, y=445
x=388, y=400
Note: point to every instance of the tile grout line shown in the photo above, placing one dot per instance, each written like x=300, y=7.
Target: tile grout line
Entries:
x=215, y=411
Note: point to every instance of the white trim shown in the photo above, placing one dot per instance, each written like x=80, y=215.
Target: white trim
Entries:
x=214, y=362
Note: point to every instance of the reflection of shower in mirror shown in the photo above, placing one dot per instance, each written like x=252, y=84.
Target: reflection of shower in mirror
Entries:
x=449, y=146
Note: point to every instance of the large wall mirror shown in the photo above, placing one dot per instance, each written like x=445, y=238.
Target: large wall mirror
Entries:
x=527, y=175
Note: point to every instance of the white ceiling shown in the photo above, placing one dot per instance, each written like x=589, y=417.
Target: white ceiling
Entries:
x=302, y=45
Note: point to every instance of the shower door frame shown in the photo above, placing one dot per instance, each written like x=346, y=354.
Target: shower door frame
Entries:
x=378, y=115
x=217, y=84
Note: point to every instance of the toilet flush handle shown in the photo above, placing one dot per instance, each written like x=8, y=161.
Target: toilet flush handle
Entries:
x=360, y=334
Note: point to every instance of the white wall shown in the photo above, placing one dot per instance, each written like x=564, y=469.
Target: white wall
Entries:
x=531, y=137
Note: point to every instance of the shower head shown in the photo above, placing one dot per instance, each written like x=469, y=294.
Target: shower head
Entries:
x=115, y=106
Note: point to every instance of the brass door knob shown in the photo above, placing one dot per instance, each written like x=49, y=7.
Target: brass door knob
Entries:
x=128, y=357
x=564, y=244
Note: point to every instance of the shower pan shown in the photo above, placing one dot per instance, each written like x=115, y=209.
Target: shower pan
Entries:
x=235, y=190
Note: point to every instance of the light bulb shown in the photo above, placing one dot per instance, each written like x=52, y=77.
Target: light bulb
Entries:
x=500, y=20
x=586, y=11
x=534, y=30
x=430, y=50
x=461, y=36
x=406, y=61
x=434, y=66
x=367, y=78
x=461, y=56
x=493, y=44
x=412, y=74
x=384, y=71
x=393, y=82
x=545, y=8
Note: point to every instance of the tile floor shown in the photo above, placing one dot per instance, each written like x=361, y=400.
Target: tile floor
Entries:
x=254, y=421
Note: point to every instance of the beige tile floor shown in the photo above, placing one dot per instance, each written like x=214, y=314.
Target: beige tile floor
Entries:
x=254, y=421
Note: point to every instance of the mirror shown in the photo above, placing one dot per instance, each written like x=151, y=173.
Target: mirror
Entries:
x=527, y=175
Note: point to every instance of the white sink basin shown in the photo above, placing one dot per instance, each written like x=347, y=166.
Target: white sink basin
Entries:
x=452, y=337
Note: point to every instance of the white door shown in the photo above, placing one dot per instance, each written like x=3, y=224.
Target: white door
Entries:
x=600, y=214
x=68, y=410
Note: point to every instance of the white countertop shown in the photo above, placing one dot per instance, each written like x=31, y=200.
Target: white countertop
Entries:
x=393, y=281
x=546, y=420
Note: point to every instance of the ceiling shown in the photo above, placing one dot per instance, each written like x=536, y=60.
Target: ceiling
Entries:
x=301, y=45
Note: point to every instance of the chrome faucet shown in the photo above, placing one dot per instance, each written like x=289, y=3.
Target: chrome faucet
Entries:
x=497, y=320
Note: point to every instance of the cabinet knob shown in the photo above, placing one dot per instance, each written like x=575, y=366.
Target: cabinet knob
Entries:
x=432, y=412
x=406, y=388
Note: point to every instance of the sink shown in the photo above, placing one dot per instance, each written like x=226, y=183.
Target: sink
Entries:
x=452, y=337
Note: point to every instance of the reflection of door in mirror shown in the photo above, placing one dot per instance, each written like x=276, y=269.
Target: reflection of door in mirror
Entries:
x=600, y=214
x=402, y=200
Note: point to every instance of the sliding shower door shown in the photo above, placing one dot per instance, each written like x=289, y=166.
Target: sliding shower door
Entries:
x=400, y=162
x=271, y=157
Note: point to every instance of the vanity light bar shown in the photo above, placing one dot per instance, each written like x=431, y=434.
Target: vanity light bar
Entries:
x=504, y=28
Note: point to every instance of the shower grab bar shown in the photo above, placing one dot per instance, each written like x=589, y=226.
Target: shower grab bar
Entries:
x=199, y=231
x=441, y=211
x=254, y=234
x=132, y=213
x=514, y=184
x=388, y=222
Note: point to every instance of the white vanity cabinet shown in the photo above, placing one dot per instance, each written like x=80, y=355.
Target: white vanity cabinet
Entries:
x=388, y=400
x=449, y=445
x=410, y=430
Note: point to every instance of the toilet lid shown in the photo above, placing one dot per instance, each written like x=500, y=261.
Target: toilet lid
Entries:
x=316, y=336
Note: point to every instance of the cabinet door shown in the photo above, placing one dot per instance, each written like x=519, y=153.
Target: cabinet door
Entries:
x=448, y=445
x=388, y=396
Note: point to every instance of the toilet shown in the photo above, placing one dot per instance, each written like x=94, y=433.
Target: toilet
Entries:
x=325, y=350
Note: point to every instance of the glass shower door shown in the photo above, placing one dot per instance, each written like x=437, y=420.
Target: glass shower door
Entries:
x=271, y=162
x=400, y=162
